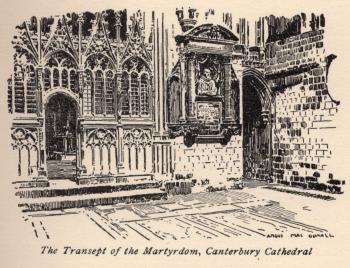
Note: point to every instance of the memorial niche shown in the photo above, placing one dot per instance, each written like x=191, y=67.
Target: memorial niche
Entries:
x=208, y=87
x=208, y=101
x=208, y=75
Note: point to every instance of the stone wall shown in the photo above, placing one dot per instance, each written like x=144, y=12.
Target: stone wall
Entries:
x=210, y=160
x=296, y=70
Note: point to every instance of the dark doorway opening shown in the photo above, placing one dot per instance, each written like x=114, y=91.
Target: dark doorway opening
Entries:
x=61, y=137
x=256, y=133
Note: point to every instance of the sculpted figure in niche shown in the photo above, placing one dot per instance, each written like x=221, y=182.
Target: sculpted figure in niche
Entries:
x=206, y=84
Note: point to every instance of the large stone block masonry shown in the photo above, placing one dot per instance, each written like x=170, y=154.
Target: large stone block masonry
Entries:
x=210, y=160
x=296, y=69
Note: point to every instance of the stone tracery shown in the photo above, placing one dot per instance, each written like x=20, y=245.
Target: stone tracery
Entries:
x=101, y=137
x=138, y=137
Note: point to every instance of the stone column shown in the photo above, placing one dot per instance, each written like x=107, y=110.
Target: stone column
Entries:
x=151, y=98
x=117, y=114
x=167, y=160
x=81, y=90
x=153, y=158
x=118, y=25
x=156, y=77
x=183, y=84
x=39, y=90
x=191, y=73
x=116, y=93
x=80, y=109
x=239, y=73
x=228, y=107
x=104, y=93
x=42, y=171
x=162, y=162
x=79, y=153
x=80, y=131
x=120, y=151
x=80, y=34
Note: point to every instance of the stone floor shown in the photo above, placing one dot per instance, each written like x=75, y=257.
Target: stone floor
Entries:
x=252, y=212
x=61, y=169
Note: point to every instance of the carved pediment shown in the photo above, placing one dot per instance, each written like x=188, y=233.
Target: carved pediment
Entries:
x=135, y=46
x=212, y=32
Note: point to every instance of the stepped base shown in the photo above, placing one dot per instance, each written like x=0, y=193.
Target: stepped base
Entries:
x=91, y=180
x=67, y=194
x=32, y=183
x=48, y=204
x=103, y=179
x=77, y=190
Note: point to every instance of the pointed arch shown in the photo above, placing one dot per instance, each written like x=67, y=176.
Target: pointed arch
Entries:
x=124, y=96
x=88, y=91
x=105, y=60
x=144, y=94
x=110, y=88
x=73, y=81
x=257, y=127
x=136, y=87
x=60, y=52
x=134, y=94
x=19, y=89
x=31, y=88
x=136, y=62
x=47, y=78
x=255, y=79
x=99, y=92
x=64, y=78
x=56, y=77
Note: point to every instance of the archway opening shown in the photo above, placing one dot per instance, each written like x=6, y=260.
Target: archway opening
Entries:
x=61, y=137
x=257, y=150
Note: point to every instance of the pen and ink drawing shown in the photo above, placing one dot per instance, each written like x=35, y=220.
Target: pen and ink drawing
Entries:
x=161, y=131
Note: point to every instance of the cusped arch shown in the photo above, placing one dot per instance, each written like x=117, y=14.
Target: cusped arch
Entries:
x=135, y=58
x=173, y=78
x=138, y=137
x=51, y=54
x=101, y=137
x=96, y=54
x=22, y=136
